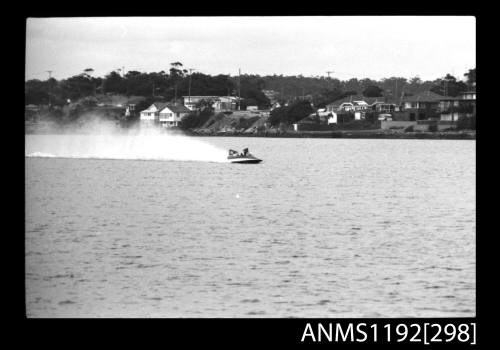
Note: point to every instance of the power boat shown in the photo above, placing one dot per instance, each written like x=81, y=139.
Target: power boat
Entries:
x=244, y=157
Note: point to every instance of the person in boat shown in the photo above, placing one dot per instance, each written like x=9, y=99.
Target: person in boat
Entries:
x=232, y=153
x=245, y=152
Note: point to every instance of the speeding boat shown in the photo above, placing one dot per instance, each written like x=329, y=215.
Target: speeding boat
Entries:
x=245, y=157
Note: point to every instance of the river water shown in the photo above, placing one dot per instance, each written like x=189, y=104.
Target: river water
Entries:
x=320, y=228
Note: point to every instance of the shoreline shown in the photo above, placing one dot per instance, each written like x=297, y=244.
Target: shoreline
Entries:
x=351, y=134
x=336, y=134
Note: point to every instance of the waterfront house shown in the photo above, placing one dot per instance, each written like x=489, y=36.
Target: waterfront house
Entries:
x=359, y=103
x=172, y=114
x=353, y=106
x=453, y=108
x=150, y=115
x=163, y=114
x=384, y=107
x=421, y=106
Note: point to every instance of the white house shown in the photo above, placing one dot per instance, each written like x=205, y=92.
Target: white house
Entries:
x=164, y=114
x=172, y=114
x=151, y=114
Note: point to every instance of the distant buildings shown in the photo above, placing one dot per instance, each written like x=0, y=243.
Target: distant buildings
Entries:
x=219, y=103
x=357, y=103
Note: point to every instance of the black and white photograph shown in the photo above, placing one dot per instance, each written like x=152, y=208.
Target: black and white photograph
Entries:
x=250, y=167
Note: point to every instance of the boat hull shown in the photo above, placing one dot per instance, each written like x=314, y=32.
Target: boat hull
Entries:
x=245, y=160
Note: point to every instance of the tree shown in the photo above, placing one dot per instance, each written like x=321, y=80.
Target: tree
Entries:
x=113, y=82
x=449, y=86
x=290, y=114
x=471, y=77
x=373, y=91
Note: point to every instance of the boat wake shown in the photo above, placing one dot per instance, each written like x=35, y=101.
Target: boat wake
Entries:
x=127, y=147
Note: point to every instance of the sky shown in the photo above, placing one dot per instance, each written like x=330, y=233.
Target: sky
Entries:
x=362, y=47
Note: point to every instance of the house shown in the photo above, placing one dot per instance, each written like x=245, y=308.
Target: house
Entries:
x=150, y=115
x=172, y=114
x=354, y=106
x=129, y=110
x=453, y=108
x=164, y=114
x=384, y=107
x=355, y=103
x=219, y=103
x=192, y=101
x=421, y=106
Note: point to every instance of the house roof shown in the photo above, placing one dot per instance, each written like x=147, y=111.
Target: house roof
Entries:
x=176, y=108
x=426, y=96
x=160, y=105
x=368, y=100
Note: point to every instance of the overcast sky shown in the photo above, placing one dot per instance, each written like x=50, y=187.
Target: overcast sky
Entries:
x=361, y=47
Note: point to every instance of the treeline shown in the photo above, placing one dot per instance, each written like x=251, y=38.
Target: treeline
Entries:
x=177, y=82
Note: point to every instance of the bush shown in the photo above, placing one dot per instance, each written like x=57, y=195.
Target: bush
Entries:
x=466, y=123
x=194, y=120
x=433, y=127
x=290, y=114
x=409, y=128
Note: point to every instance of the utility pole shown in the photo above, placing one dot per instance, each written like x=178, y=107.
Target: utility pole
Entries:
x=190, y=70
x=396, y=90
x=328, y=72
x=50, y=90
x=239, y=89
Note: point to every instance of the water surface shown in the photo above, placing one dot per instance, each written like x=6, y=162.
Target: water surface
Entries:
x=321, y=228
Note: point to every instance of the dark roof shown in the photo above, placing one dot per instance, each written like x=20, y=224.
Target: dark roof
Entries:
x=160, y=105
x=177, y=108
x=449, y=98
x=426, y=96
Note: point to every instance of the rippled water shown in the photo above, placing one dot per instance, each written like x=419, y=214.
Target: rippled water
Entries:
x=321, y=228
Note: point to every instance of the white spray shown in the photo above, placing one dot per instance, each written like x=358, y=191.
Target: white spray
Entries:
x=103, y=140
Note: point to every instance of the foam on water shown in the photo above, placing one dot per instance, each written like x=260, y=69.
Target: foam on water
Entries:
x=147, y=144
